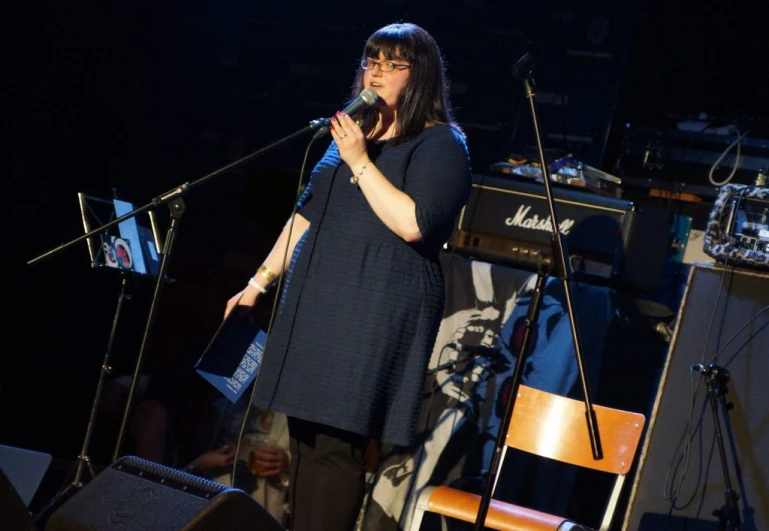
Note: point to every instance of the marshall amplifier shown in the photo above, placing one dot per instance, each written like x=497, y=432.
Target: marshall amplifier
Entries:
x=609, y=240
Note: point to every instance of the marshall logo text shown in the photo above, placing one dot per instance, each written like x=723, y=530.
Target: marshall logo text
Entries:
x=534, y=222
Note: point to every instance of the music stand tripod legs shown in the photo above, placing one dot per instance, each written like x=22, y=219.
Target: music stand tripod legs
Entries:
x=84, y=460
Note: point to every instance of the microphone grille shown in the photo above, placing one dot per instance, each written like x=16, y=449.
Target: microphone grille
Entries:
x=369, y=96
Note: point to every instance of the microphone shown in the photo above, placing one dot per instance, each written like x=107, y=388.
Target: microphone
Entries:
x=367, y=98
x=523, y=67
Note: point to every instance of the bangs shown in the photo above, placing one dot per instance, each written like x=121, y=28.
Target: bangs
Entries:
x=392, y=42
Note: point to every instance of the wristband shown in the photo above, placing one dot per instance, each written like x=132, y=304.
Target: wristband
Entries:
x=254, y=284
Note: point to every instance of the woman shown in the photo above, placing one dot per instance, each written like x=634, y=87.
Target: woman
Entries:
x=364, y=292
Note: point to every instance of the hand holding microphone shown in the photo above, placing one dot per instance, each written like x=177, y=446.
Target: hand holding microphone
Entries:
x=367, y=98
x=350, y=140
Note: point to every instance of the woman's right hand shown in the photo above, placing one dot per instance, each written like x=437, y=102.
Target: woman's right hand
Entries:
x=245, y=297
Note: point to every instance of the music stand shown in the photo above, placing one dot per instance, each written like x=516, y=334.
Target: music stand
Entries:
x=132, y=249
x=134, y=246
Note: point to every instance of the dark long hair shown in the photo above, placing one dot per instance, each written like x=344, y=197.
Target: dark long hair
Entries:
x=425, y=98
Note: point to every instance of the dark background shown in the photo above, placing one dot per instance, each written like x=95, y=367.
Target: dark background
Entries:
x=142, y=96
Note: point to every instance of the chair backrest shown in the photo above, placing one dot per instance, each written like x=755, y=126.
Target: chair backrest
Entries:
x=555, y=427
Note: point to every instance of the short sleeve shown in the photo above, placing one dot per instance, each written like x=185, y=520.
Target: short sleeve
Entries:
x=306, y=206
x=309, y=204
x=438, y=179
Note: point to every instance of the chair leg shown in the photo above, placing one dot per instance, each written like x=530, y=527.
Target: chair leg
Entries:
x=611, y=507
x=421, y=507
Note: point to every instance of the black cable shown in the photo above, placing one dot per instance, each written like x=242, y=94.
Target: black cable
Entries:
x=737, y=333
x=275, y=304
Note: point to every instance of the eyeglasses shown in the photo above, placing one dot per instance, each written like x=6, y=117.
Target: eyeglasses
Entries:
x=384, y=66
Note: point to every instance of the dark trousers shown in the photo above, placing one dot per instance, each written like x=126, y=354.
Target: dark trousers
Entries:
x=327, y=478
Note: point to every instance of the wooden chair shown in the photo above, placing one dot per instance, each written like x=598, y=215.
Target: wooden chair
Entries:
x=550, y=426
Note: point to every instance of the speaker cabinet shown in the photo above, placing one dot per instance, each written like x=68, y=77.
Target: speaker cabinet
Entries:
x=135, y=495
x=715, y=380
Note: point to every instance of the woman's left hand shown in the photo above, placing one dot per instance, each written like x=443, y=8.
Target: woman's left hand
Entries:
x=349, y=139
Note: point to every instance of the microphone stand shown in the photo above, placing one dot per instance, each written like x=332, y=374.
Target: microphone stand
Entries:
x=545, y=265
x=716, y=379
x=176, y=205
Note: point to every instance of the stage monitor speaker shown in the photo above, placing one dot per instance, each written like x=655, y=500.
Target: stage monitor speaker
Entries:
x=135, y=495
x=715, y=381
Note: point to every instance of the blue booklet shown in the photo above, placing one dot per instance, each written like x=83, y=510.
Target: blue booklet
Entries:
x=233, y=357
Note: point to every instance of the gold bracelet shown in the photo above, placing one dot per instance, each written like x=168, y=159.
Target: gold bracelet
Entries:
x=267, y=274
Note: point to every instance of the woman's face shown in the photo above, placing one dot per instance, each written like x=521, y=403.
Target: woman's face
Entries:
x=387, y=85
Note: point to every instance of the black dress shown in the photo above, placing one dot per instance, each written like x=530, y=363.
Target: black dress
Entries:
x=361, y=307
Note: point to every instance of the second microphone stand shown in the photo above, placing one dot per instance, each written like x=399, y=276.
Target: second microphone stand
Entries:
x=558, y=262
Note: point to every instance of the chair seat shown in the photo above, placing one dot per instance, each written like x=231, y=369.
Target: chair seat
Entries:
x=501, y=516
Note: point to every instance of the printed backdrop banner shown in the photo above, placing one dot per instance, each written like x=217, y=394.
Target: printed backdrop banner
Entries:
x=465, y=392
